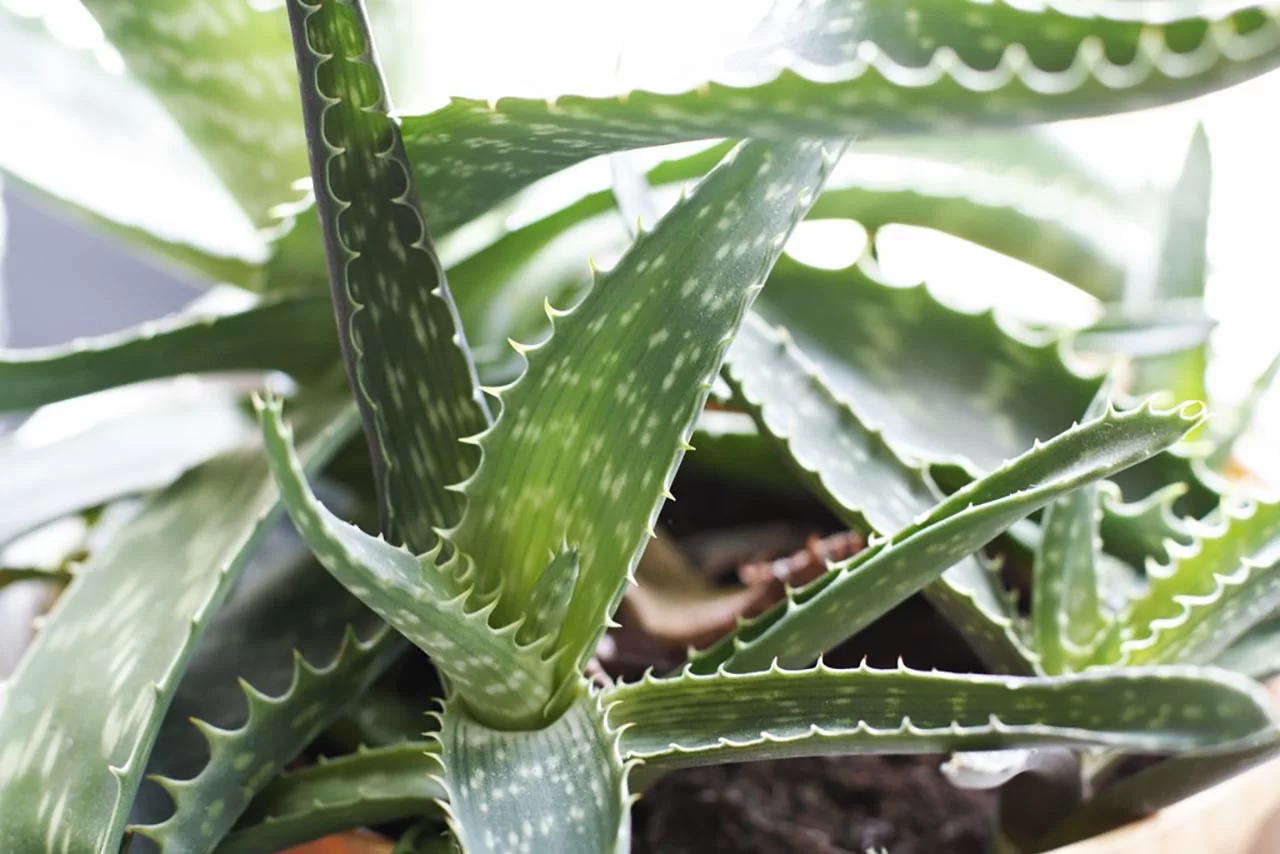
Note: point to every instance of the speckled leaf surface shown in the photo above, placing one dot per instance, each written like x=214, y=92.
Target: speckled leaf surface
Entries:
x=696, y=720
x=841, y=67
x=590, y=436
x=1067, y=615
x=292, y=334
x=406, y=356
x=133, y=453
x=1209, y=593
x=940, y=384
x=282, y=660
x=93, y=715
x=860, y=477
x=561, y=788
x=362, y=788
x=432, y=605
x=223, y=69
x=815, y=618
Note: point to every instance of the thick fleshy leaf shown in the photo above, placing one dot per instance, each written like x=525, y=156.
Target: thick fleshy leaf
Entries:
x=1180, y=274
x=859, y=476
x=364, y=788
x=1142, y=529
x=1067, y=615
x=94, y=714
x=1256, y=653
x=941, y=384
x=506, y=681
x=223, y=69
x=171, y=432
x=842, y=67
x=1239, y=421
x=406, y=356
x=855, y=592
x=1210, y=592
x=590, y=436
x=282, y=660
x=560, y=788
x=725, y=717
x=292, y=334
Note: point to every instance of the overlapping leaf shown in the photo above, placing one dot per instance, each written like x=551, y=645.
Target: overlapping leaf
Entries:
x=839, y=67
x=406, y=355
x=834, y=607
x=725, y=717
x=292, y=334
x=590, y=436
x=92, y=715
x=560, y=788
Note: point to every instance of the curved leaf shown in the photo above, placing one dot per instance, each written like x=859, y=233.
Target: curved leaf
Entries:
x=406, y=355
x=93, y=715
x=820, y=615
x=843, y=67
x=620, y=385
x=725, y=717
x=292, y=334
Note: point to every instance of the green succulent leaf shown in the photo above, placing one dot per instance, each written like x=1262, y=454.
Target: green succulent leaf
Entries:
x=1256, y=653
x=1067, y=615
x=406, y=355
x=1142, y=530
x=905, y=362
x=223, y=70
x=1225, y=439
x=1210, y=593
x=559, y=788
x=116, y=457
x=363, y=788
x=13, y=574
x=1180, y=274
x=860, y=477
x=94, y=715
x=725, y=717
x=292, y=334
x=817, y=617
x=843, y=67
x=431, y=604
x=298, y=648
x=621, y=383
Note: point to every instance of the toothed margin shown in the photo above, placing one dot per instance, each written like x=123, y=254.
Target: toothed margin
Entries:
x=799, y=737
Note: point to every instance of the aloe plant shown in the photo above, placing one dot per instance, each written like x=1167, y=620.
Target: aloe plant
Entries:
x=451, y=500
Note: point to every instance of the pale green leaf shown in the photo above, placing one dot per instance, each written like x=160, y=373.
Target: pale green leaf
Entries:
x=89, y=696
x=697, y=720
x=1142, y=529
x=292, y=334
x=368, y=787
x=590, y=436
x=844, y=67
x=559, y=788
x=1256, y=653
x=406, y=355
x=223, y=69
x=817, y=617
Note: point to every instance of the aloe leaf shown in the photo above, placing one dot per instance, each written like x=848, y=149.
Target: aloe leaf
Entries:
x=1210, y=593
x=1226, y=556
x=502, y=679
x=905, y=362
x=621, y=383
x=293, y=334
x=406, y=356
x=859, y=476
x=13, y=574
x=294, y=650
x=1142, y=529
x=1067, y=616
x=1180, y=274
x=726, y=717
x=838, y=68
x=363, y=788
x=559, y=788
x=46, y=480
x=855, y=592
x=1225, y=439
x=94, y=716
x=1256, y=653
x=224, y=71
